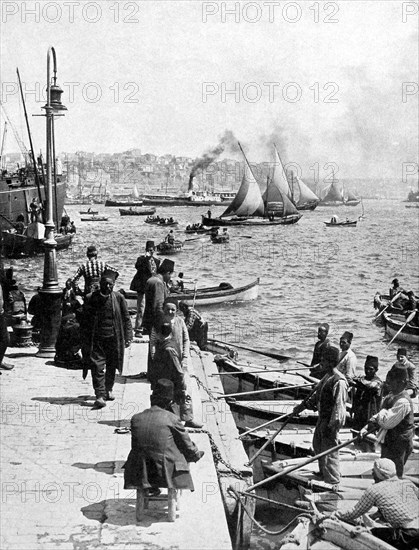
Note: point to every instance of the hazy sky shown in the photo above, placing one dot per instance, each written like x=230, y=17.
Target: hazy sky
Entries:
x=324, y=80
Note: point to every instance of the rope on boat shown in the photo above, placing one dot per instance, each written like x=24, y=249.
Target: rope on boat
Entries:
x=237, y=496
x=203, y=386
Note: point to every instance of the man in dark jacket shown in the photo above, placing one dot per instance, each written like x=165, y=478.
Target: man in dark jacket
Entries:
x=106, y=330
x=160, y=446
x=323, y=343
x=156, y=291
x=146, y=267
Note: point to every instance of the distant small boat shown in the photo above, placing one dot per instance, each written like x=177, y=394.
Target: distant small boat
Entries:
x=94, y=218
x=89, y=212
x=334, y=222
x=141, y=211
x=220, y=239
x=169, y=249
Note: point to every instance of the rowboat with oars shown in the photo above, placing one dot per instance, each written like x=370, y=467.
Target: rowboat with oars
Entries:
x=382, y=301
x=238, y=378
x=356, y=476
x=396, y=325
x=334, y=222
x=206, y=296
x=94, y=218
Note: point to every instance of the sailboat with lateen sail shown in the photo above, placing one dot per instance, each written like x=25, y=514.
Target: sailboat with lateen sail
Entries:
x=249, y=207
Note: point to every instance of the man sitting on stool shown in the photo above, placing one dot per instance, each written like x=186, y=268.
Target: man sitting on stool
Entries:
x=160, y=446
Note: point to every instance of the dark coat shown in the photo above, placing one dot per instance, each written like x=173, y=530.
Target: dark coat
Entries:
x=160, y=451
x=143, y=274
x=89, y=325
x=156, y=292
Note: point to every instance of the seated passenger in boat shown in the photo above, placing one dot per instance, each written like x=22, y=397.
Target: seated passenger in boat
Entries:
x=334, y=219
x=170, y=238
x=397, y=503
x=178, y=285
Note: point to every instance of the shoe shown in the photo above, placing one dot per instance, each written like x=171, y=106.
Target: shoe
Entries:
x=110, y=396
x=193, y=424
x=99, y=403
x=6, y=366
x=154, y=492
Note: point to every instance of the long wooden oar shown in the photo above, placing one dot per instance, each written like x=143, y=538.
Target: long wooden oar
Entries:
x=260, y=371
x=251, y=430
x=411, y=316
x=308, y=378
x=301, y=465
x=269, y=440
x=263, y=351
x=281, y=388
x=388, y=305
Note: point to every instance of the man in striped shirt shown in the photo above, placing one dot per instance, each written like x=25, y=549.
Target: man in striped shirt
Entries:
x=92, y=271
x=397, y=503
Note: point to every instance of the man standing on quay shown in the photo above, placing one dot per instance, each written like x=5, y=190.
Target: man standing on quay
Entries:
x=156, y=291
x=146, y=267
x=106, y=329
x=92, y=271
x=329, y=398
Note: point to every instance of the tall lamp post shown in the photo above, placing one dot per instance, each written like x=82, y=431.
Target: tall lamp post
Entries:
x=50, y=292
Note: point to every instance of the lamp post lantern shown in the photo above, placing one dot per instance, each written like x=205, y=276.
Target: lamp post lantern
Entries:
x=50, y=292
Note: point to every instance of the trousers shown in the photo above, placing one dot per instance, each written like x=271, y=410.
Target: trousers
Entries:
x=398, y=453
x=140, y=310
x=4, y=336
x=323, y=439
x=104, y=363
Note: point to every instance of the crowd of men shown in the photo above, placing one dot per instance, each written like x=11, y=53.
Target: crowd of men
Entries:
x=105, y=330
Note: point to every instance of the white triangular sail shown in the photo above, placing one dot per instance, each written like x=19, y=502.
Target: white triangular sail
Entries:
x=248, y=200
x=135, y=192
x=279, y=179
x=306, y=194
x=333, y=194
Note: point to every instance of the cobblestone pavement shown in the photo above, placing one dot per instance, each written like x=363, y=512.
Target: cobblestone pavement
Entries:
x=61, y=476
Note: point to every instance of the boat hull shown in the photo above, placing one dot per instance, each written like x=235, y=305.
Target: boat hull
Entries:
x=167, y=249
x=143, y=211
x=341, y=224
x=308, y=205
x=395, y=322
x=206, y=297
x=94, y=219
x=256, y=222
x=123, y=204
x=19, y=246
x=16, y=200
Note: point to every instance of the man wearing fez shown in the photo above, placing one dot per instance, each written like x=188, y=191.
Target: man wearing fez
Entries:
x=160, y=446
x=347, y=358
x=395, y=421
x=106, y=330
x=403, y=363
x=92, y=271
x=319, y=347
x=146, y=267
x=367, y=395
x=156, y=291
x=329, y=398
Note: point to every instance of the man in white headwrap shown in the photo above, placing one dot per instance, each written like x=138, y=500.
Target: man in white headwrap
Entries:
x=397, y=503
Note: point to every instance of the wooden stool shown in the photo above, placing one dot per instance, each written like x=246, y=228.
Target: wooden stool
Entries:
x=143, y=500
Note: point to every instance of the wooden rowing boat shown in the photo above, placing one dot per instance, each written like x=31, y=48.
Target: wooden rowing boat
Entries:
x=14, y=245
x=94, y=218
x=320, y=533
x=395, y=322
x=346, y=223
x=142, y=211
x=220, y=239
x=240, y=380
x=168, y=249
x=220, y=294
x=89, y=212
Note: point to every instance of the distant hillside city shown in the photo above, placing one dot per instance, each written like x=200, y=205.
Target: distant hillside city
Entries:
x=100, y=175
